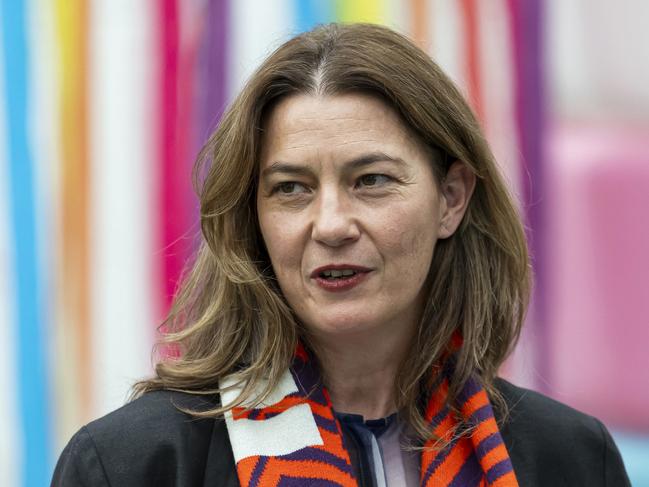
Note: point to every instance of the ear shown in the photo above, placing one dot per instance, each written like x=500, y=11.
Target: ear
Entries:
x=456, y=190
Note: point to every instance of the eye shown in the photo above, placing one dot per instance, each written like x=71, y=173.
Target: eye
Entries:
x=370, y=180
x=289, y=188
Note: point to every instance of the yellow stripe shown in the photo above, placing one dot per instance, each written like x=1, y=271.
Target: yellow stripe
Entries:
x=73, y=299
x=372, y=11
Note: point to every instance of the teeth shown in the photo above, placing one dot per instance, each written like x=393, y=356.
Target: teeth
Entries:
x=336, y=273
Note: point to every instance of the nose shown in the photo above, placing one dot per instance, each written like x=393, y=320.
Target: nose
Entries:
x=334, y=222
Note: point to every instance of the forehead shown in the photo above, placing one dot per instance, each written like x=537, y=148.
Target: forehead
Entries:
x=332, y=126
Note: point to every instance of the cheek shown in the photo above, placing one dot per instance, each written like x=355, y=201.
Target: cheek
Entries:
x=282, y=237
x=409, y=242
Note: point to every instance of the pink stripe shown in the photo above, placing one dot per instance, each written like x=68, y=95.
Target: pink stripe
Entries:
x=170, y=187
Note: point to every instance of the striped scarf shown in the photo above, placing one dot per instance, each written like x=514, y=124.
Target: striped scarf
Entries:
x=294, y=439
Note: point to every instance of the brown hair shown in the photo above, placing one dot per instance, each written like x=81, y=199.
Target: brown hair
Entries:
x=229, y=316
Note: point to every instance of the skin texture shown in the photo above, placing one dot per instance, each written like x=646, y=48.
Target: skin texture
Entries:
x=318, y=205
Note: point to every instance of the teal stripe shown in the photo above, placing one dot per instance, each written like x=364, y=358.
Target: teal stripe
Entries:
x=309, y=13
x=32, y=380
x=634, y=448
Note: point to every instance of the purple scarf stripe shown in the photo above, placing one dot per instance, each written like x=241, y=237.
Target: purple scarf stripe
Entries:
x=308, y=382
x=469, y=475
x=488, y=444
x=439, y=417
x=470, y=389
x=325, y=423
x=498, y=470
x=254, y=414
x=256, y=473
x=480, y=414
x=319, y=456
x=302, y=482
x=322, y=422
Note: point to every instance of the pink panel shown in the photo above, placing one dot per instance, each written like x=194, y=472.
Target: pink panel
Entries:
x=598, y=279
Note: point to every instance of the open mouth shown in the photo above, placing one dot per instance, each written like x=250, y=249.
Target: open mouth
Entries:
x=336, y=274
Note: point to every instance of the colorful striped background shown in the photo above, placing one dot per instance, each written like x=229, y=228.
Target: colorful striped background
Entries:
x=104, y=104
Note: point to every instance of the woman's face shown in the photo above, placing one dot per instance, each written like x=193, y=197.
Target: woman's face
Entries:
x=349, y=211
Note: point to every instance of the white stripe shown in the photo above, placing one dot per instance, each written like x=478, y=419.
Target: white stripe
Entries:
x=447, y=39
x=283, y=434
x=257, y=28
x=285, y=387
x=498, y=88
x=379, y=472
x=123, y=176
x=11, y=441
x=397, y=17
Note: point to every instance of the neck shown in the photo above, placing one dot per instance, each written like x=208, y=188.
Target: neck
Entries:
x=360, y=371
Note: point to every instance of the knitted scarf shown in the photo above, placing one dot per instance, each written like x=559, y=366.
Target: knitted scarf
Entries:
x=294, y=439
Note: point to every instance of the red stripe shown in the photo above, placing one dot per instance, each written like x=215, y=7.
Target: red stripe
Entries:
x=280, y=407
x=474, y=85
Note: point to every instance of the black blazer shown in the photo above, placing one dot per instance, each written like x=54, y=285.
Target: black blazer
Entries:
x=150, y=442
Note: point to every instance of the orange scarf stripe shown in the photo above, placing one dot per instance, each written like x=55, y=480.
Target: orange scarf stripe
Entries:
x=484, y=429
x=429, y=455
x=245, y=468
x=286, y=403
x=498, y=454
x=475, y=402
x=448, y=469
x=436, y=402
x=507, y=480
x=442, y=431
x=333, y=443
x=446, y=427
x=321, y=410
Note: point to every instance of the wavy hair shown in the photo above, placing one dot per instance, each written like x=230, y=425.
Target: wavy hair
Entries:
x=229, y=316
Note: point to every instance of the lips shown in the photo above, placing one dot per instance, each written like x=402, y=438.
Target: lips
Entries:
x=339, y=277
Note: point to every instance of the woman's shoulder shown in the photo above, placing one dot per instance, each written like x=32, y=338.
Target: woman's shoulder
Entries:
x=150, y=438
x=155, y=411
x=533, y=409
x=551, y=443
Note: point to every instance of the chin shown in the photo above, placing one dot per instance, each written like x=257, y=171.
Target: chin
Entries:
x=343, y=323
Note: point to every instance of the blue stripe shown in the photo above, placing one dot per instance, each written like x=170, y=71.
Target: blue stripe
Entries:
x=309, y=13
x=498, y=470
x=325, y=423
x=480, y=415
x=469, y=475
x=488, y=444
x=470, y=389
x=317, y=455
x=32, y=385
x=255, y=476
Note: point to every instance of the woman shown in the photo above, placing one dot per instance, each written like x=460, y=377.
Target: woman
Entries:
x=362, y=277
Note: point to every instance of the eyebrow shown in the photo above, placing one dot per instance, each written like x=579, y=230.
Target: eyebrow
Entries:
x=350, y=165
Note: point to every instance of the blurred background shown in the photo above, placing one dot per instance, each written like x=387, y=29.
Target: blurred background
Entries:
x=105, y=103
